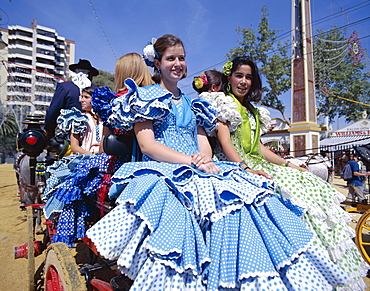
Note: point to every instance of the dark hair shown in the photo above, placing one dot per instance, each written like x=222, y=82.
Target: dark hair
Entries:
x=160, y=47
x=255, y=93
x=213, y=77
x=89, y=90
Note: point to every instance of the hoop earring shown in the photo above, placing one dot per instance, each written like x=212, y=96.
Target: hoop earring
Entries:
x=158, y=72
x=228, y=87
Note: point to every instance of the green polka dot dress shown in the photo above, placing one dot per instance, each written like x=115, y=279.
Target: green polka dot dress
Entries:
x=324, y=216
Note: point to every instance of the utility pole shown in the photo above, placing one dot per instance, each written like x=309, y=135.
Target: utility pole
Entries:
x=304, y=130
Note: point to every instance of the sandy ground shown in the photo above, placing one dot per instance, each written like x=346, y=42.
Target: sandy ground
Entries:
x=14, y=232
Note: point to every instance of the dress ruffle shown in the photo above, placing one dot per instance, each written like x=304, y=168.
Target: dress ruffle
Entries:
x=324, y=216
x=72, y=121
x=101, y=102
x=230, y=189
x=156, y=214
x=156, y=204
x=264, y=116
x=139, y=104
x=225, y=107
x=59, y=171
x=206, y=115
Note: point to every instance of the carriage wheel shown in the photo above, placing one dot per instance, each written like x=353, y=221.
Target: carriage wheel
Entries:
x=363, y=235
x=61, y=271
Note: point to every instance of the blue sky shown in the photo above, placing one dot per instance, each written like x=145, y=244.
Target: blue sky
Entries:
x=104, y=30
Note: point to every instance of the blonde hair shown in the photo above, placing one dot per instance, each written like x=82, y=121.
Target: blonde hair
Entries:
x=131, y=66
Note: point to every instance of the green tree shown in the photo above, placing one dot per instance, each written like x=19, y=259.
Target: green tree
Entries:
x=335, y=71
x=338, y=74
x=8, y=134
x=8, y=125
x=272, y=59
x=104, y=79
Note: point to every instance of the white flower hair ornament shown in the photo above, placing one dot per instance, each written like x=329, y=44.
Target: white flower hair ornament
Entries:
x=150, y=53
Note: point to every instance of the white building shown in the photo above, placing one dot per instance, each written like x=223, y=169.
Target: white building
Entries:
x=355, y=134
x=36, y=59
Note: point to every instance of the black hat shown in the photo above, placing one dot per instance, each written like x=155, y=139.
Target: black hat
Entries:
x=84, y=64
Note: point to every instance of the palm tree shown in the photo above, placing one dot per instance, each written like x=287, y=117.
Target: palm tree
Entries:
x=8, y=125
x=8, y=133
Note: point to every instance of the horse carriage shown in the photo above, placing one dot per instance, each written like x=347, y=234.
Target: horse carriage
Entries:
x=60, y=270
x=81, y=267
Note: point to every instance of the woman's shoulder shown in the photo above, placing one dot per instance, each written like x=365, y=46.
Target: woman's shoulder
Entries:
x=138, y=104
x=72, y=120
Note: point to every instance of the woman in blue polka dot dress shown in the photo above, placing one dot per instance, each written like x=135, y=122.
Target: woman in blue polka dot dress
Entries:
x=184, y=222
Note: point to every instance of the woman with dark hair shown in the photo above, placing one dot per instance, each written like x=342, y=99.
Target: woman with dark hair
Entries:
x=85, y=128
x=323, y=214
x=209, y=81
x=184, y=222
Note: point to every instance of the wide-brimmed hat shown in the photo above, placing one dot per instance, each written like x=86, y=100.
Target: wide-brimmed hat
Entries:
x=84, y=64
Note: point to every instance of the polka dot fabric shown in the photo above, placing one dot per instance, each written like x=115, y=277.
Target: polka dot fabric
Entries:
x=177, y=228
x=323, y=214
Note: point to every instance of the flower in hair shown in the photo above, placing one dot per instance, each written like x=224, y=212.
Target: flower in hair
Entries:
x=226, y=69
x=200, y=81
x=150, y=53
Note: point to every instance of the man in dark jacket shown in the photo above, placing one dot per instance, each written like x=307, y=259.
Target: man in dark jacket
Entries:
x=67, y=94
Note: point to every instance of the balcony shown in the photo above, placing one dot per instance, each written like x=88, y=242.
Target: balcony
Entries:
x=59, y=72
x=46, y=38
x=19, y=56
x=22, y=37
x=45, y=56
x=60, y=46
x=60, y=55
x=18, y=103
x=45, y=47
x=18, y=74
x=41, y=103
x=18, y=94
x=19, y=84
x=46, y=84
x=19, y=46
x=44, y=66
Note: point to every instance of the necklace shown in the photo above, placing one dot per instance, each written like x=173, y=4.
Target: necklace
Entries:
x=176, y=98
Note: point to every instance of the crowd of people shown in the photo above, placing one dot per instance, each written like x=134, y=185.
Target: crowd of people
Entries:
x=205, y=206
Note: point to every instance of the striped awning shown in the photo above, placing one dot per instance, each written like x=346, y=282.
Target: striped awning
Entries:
x=344, y=142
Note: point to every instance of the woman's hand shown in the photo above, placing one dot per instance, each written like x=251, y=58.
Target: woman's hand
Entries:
x=209, y=167
x=204, y=163
x=303, y=168
x=200, y=158
x=259, y=173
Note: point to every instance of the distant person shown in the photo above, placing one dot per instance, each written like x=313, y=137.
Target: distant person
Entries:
x=342, y=161
x=355, y=184
x=84, y=128
x=363, y=169
x=67, y=94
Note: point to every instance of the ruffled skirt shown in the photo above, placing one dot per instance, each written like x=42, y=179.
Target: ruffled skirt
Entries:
x=177, y=227
x=325, y=218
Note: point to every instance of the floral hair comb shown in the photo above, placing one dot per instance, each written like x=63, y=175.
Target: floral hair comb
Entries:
x=200, y=81
x=149, y=53
x=226, y=69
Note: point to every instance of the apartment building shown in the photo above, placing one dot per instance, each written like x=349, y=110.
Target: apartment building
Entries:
x=37, y=58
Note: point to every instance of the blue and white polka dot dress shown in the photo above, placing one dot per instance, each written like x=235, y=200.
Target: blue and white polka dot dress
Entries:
x=177, y=228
